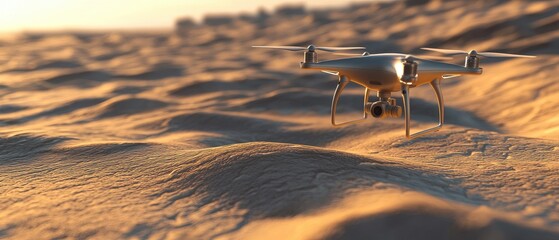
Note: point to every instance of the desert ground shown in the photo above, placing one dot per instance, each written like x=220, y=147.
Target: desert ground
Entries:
x=193, y=134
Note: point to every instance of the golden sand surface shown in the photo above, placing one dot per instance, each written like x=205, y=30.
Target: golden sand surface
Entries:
x=193, y=134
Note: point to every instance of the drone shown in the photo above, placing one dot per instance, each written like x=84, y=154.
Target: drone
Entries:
x=386, y=73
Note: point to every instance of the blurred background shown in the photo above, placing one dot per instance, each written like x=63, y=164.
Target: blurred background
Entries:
x=59, y=15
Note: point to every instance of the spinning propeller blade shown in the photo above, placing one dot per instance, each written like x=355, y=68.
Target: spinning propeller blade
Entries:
x=335, y=49
x=494, y=54
x=348, y=54
x=352, y=54
x=312, y=48
x=445, y=51
x=437, y=58
x=288, y=48
x=483, y=54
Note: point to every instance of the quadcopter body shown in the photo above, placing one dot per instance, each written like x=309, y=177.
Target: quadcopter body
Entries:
x=386, y=73
x=383, y=72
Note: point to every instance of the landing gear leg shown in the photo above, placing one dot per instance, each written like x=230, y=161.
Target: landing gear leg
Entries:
x=435, y=84
x=342, y=83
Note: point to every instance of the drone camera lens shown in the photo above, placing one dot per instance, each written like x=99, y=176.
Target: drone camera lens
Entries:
x=377, y=111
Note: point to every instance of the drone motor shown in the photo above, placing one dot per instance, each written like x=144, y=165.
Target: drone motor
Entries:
x=310, y=55
x=409, y=77
x=472, y=60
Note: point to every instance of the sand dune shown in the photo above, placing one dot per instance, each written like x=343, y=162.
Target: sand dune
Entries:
x=195, y=135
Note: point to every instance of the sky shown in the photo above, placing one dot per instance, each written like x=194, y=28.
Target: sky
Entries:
x=29, y=15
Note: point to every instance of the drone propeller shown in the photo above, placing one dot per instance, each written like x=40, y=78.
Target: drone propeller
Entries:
x=438, y=58
x=474, y=53
x=428, y=57
x=288, y=48
x=496, y=54
x=446, y=51
x=311, y=48
x=352, y=54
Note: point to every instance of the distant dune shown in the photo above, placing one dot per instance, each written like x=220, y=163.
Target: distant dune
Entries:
x=193, y=134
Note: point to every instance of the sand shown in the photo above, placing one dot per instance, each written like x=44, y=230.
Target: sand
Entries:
x=192, y=134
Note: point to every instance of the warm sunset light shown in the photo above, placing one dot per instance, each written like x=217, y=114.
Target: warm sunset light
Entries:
x=110, y=14
x=279, y=119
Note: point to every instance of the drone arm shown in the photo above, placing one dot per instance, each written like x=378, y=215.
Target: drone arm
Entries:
x=435, y=84
x=342, y=83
